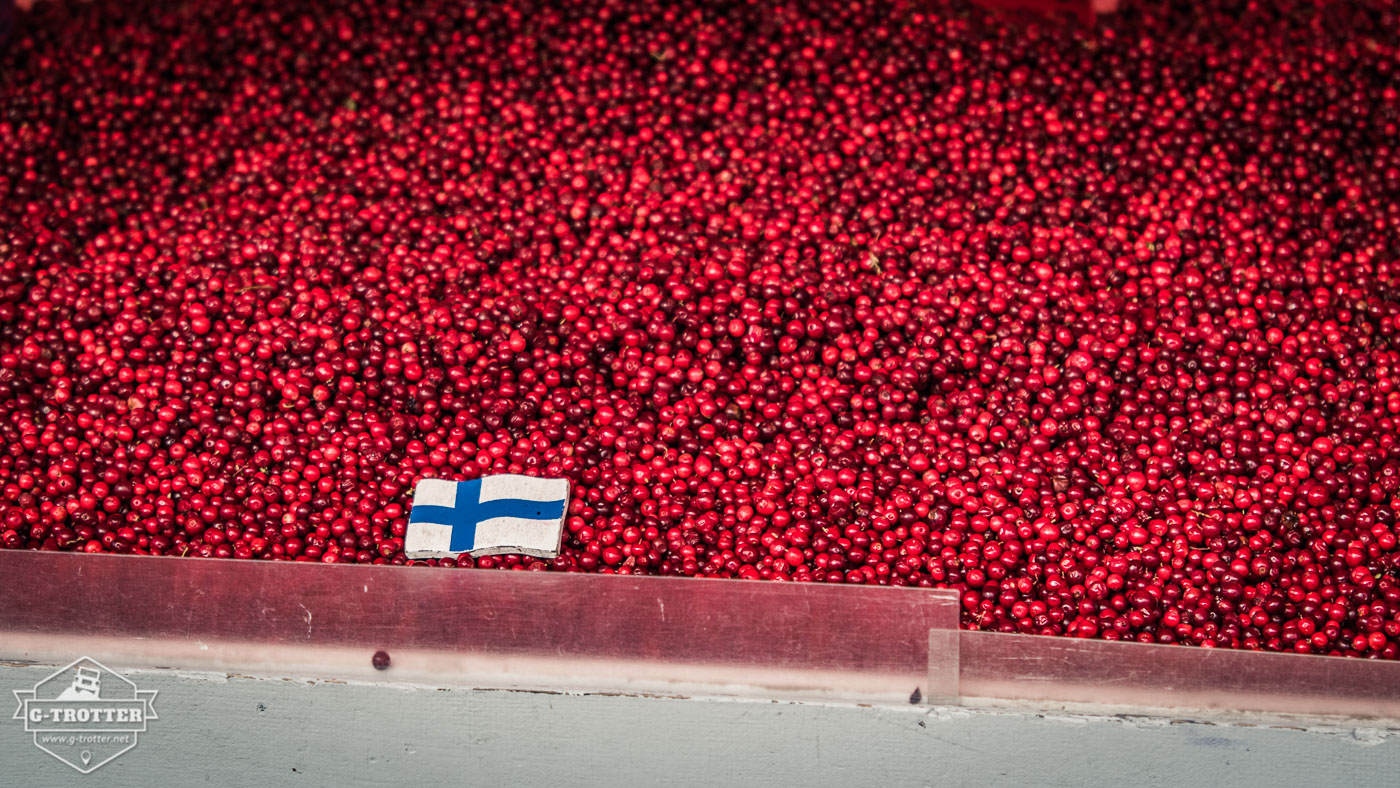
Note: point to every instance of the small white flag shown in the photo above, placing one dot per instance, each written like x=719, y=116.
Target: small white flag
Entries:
x=508, y=513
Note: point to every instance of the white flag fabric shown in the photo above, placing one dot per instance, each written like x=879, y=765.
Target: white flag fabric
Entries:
x=508, y=513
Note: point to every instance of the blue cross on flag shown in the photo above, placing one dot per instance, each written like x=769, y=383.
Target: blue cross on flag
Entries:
x=507, y=513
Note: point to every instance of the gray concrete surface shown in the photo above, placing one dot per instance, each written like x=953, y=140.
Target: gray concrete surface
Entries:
x=224, y=730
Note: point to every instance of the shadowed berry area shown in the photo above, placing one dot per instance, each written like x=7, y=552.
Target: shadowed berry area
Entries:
x=1096, y=325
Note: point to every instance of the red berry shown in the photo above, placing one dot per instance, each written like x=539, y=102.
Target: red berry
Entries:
x=1099, y=334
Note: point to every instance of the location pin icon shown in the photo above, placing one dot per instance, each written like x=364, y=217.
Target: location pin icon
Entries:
x=86, y=756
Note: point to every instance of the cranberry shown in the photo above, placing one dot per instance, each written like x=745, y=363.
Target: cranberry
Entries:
x=1091, y=324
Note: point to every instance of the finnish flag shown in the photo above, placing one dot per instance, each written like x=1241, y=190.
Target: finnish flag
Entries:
x=508, y=513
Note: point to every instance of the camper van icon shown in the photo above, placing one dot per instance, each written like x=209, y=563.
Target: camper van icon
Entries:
x=87, y=685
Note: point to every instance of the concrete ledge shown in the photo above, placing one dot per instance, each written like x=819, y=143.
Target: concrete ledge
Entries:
x=221, y=729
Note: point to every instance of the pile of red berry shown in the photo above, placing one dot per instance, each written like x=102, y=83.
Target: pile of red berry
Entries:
x=1098, y=326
